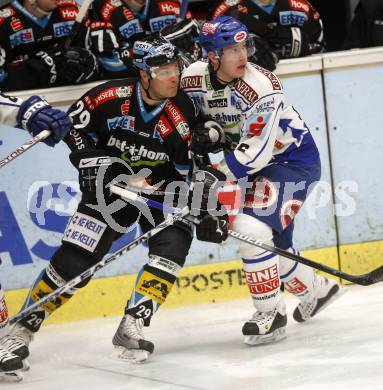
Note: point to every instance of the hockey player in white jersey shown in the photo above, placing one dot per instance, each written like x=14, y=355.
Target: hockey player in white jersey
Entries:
x=267, y=144
x=34, y=115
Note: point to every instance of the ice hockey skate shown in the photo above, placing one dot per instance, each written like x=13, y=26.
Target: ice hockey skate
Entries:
x=129, y=340
x=266, y=327
x=325, y=292
x=17, y=342
x=10, y=366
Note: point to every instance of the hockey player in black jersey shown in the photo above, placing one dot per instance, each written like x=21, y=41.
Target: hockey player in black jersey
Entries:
x=292, y=28
x=34, y=115
x=117, y=24
x=32, y=52
x=146, y=125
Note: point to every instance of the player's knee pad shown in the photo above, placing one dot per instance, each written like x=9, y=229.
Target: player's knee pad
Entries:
x=298, y=279
x=250, y=226
x=172, y=243
x=70, y=261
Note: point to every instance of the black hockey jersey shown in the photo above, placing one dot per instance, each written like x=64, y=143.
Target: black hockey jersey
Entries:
x=22, y=35
x=114, y=118
x=127, y=26
x=285, y=13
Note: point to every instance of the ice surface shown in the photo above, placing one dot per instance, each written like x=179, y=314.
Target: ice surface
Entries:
x=201, y=347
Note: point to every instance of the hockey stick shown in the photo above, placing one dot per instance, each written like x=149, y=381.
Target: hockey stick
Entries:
x=24, y=147
x=184, y=8
x=77, y=23
x=178, y=215
x=367, y=279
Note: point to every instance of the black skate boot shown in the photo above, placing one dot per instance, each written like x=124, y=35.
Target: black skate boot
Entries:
x=266, y=327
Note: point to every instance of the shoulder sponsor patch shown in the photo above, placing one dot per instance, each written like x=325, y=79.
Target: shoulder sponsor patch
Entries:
x=7, y=12
x=169, y=8
x=191, y=82
x=16, y=24
x=62, y=29
x=131, y=28
x=112, y=93
x=109, y=7
x=178, y=119
x=22, y=37
x=164, y=127
x=271, y=76
x=246, y=91
x=300, y=5
x=68, y=13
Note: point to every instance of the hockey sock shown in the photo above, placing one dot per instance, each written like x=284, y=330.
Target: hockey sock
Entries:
x=48, y=281
x=4, y=323
x=152, y=286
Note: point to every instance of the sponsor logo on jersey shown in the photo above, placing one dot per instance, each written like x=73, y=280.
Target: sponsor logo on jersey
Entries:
x=240, y=36
x=289, y=210
x=217, y=103
x=16, y=24
x=263, y=281
x=191, y=82
x=300, y=5
x=109, y=7
x=296, y=286
x=265, y=106
x=68, y=13
x=227, y=120
x=100, y=25
x=112, y=93
x=131, y=28
x=134, y=153
x=278, y=144
x=164, y=127
x=255, y=128
x=61, y=3
x=178, y=119
x=62, y=29
x=246, y=91
x=125, y=122
x=160, y=22
x=271, y=76
x=292, y=18
x=169, y=8
x=125, y=108
x=7, y=12
x=218, y=94
x=128, y=14
x=22, y=37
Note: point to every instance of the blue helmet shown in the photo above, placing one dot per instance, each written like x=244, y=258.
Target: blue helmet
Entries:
x=222, y=32
x=154, y=52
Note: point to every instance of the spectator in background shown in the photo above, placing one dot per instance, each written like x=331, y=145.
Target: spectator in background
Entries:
x=32, y=53
x=117, y=24
x=366, y=28
x=292, y=28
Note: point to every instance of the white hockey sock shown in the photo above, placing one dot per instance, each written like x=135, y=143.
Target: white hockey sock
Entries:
x=262, y=278
x=299, y=279
x=4, y=323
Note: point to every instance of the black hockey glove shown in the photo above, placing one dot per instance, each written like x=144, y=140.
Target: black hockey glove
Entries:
x=263, y=55
x=212, y=228
x=288, y=42
x=203, y=188
x=72, y=66
x=185, y=36
x=207, y=137
x=88, y=164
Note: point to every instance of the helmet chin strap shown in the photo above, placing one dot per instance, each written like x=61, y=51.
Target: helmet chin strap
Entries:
x=34, y=4
x=148, y=93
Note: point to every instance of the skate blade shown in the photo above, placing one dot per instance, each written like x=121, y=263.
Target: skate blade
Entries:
x=137, y=356
x=11, y=376
x=334, y=297
x=277, y=335
x=26, y=365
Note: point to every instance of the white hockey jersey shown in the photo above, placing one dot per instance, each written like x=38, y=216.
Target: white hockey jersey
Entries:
x=9, y=107
x=259, y=128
